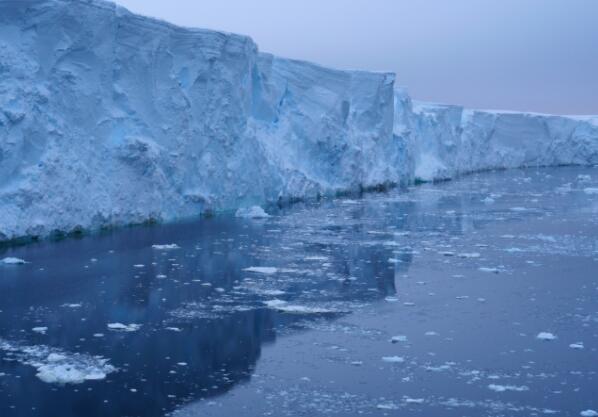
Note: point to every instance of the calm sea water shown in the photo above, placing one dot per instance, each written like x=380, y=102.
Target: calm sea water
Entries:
x=467, y=298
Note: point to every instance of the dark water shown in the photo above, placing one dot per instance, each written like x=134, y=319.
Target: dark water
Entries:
x=468, y=273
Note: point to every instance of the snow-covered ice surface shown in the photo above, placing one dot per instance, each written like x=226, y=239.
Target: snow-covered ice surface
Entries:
x=306, y=312
x=128, y=120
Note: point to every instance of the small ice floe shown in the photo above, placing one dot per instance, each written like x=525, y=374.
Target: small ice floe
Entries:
x=285, y=307
x=397, y=339
x=431, y=333
x=138, y=266
x=255, y=212
x=504, y=388
x=160, y=276
x=488, y=200
x=55, y=366
x=393, y=359
x=584, y=178
x=591, y=190
x=268, y=270
x=391, y=299
x=546, y=336
x=357, y=363
x=387, y=406
x=489, y=269
x=119, y=327
x=518, y=209
x=168, y=246
x=409, y=400
x=72, y=305
x=578, y=345
x=174, y=329
x=13, y=261
x=273, y=293
x=447, y=253
x=40, y=330
x=469, y=255
x=589, y=413
x=316, y=258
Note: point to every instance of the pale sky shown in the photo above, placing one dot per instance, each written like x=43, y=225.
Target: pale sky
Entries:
x=535, y=55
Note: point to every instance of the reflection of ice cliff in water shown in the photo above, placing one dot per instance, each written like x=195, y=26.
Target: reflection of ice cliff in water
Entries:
x=203, y=317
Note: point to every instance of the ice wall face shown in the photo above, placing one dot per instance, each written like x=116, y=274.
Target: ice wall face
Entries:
x=107, y=119
x=447, y=141
x=325, y=130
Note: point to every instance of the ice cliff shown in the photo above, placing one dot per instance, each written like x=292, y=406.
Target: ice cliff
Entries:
x=108, y=118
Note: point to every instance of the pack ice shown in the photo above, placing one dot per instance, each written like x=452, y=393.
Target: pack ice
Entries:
x=108, y=118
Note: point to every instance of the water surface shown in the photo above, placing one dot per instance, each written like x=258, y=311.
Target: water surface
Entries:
x=296, y=314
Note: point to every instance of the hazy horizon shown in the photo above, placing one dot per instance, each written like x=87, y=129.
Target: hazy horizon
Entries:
x=535, y=55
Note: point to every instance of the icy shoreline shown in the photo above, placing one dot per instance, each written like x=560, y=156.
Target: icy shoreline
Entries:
x=109, y=119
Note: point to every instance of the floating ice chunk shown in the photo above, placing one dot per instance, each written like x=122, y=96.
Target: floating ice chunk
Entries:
x=589, y=413
x=397, y=339
x=488, y=200
x=55, y=366
x=284, y=307
x=409, y=400
x=387, y=406
x=13, y=261
x=503, y=388
x=255, y=212
x=174, y=329
x=518, y=209
x=584, y=178
x=268, y=270
x=138, y=266
x=40, y=330
x=469, y=255
x=393, y=359
x=273, y=293
x=591, y=190
x=431, y=333
x=119, y=327
x=169, y=246
x=72, y=305
x=488, y=269
x=316, y=258
x=546, y=336
x=578, y=345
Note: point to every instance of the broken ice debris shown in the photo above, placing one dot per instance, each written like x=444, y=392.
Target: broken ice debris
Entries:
x=397, y=339
x=40, y=330
x=169, y=246
x=12, y=261
x=268, y=270
x=393, y=359
x=119, y=327
x=503, y=388
x=255, y=212
x=547, y=336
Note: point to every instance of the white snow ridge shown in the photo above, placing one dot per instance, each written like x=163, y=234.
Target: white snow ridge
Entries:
x=259, y=129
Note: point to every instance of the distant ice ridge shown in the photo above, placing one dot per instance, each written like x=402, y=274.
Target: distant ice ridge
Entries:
x=108, y=119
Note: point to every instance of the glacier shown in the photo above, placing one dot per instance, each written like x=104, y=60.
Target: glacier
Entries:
x=108, y=119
